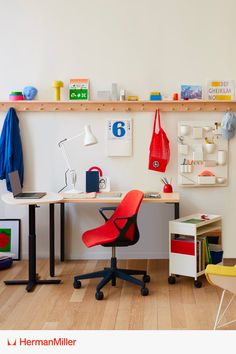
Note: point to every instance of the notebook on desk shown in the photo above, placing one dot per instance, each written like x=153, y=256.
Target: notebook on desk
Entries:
x=152, y=195
x=79, y=195
x=109, y=195
x=17, y=189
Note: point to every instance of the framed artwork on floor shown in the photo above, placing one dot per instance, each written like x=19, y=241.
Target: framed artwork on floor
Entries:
x=10, y=237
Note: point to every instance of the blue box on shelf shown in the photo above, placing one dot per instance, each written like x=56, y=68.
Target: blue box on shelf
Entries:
x=216, y=256
x=155, y=96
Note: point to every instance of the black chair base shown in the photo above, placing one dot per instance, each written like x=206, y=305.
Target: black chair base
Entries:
x=111, y=274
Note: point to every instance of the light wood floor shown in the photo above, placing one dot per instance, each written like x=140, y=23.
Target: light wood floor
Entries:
x=50, y=307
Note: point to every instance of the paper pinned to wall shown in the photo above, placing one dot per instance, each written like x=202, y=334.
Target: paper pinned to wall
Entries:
x=119, y=137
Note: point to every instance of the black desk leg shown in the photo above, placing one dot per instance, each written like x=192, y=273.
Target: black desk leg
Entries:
x=62, y=231
x=52, y=240
x=33, y=278
x=176, y=210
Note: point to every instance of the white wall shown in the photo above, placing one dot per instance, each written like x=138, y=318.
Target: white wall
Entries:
x=143, y=46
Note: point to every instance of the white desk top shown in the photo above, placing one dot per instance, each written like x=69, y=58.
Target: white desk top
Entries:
x=47, y=199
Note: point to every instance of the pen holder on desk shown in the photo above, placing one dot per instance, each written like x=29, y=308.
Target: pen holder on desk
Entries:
x=167, y=188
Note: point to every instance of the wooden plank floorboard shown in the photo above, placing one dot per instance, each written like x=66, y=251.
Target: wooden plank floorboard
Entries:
x=52, y=307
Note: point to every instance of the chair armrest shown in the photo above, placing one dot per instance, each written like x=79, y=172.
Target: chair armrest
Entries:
x=122, y=218
x=106, y=208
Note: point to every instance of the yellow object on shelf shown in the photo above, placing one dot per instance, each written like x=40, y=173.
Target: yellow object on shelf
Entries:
x=155, y=93
x=57, y=86
x=132, y=98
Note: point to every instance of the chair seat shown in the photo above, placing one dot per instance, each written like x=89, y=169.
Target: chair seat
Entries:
x=100, y=235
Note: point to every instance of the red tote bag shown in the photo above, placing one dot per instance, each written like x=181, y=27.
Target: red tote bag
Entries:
x=159, y=154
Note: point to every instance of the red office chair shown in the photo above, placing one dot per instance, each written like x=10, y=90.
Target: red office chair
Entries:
x=120, y=230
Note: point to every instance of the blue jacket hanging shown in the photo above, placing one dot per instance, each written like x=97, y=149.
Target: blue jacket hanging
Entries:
x=11, y=154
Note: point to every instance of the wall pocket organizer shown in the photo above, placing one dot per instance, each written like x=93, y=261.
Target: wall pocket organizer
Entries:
x=202, y=154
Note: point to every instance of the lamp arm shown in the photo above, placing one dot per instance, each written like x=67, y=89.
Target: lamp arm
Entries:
x=63, y=150
x=65, y=156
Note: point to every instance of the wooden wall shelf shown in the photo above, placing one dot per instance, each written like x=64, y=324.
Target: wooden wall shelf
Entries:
x=119, y=106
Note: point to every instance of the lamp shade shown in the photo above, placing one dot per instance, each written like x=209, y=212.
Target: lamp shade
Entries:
x=89, y=138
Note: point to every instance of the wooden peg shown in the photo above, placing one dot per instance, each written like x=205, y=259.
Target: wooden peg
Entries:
x=26, y=109
x=56, y=109
x=113, y=108
x=70, y=109
x=41, y=109
x=98, y=109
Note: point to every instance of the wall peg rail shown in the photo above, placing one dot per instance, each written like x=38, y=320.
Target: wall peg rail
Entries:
x=119, y=106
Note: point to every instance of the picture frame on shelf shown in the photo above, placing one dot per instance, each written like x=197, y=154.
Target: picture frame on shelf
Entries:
x=10, y=238
x=191, y=92
x=221, y=90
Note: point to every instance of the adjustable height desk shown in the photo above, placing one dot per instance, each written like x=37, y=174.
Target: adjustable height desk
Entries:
x=33, y=278
x=166, y=198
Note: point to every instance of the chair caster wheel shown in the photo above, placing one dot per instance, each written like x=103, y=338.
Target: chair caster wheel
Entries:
x=144, y=291
x=146, y=278
x=197, y=284
x=77, y=284
x=99, y=295
x=171, y=280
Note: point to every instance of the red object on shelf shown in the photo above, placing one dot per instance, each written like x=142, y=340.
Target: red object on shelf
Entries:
x=175, y=96
x=167, y=188
x=182, y=247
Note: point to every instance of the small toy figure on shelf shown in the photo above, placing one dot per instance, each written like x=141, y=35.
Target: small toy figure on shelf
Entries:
x=29, y=92
x=57, y=86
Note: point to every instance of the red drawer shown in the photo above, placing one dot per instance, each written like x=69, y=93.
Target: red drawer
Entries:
x=183, y=247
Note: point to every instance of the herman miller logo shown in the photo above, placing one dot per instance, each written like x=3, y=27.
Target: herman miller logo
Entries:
x=42, y=342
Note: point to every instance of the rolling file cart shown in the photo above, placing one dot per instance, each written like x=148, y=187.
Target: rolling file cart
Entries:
x=188, y=245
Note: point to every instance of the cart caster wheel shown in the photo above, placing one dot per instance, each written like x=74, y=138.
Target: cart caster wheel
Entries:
x=99, y=295
x=77, y=284
x=197, y=284
x=171, y=280
x=144, y=291
x=146, y=278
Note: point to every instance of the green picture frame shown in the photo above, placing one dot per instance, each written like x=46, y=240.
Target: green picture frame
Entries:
x=10, y=238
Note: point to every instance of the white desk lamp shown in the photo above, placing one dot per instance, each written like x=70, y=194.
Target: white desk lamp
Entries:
x=89, y=139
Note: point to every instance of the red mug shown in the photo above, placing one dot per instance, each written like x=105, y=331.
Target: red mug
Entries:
x=167, y=188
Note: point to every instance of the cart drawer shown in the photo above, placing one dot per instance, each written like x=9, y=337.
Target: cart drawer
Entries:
x=183, y=247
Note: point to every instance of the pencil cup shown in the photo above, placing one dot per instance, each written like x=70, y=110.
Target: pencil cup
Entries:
x=210, y=148
x=221, y=157
x=167, y=188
